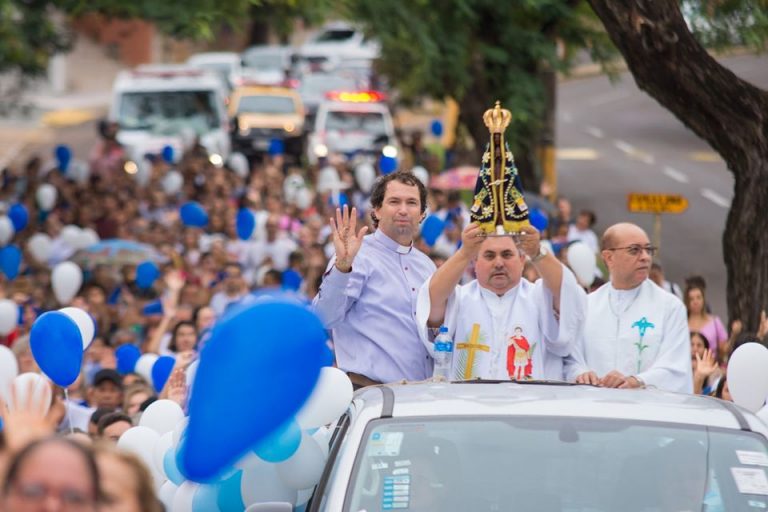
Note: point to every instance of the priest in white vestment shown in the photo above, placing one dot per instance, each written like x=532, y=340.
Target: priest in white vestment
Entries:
x=636, y=333
x=503, y=327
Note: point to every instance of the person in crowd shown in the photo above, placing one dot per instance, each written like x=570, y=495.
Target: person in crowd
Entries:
x=581, y=230
x=107, y=390
x=113, y=425
x=650, y=345
x=233, y=289
x=516, y=329
x=126, y=482
x=93, y=423
x=707, y=324
x=706, y=371
x=658, y=277
x=368, y=294
x=135, y=395
x=52, y=474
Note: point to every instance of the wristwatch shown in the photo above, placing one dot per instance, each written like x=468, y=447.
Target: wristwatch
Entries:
x=543, y=251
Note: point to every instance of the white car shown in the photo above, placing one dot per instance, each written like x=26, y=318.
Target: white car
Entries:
x=265, y=65
x=352, y=125
x=170, y=105
x=544, y=447
x=334, y=43
x=226, y=65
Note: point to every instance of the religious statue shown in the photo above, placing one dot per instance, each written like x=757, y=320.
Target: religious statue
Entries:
x=498, y=205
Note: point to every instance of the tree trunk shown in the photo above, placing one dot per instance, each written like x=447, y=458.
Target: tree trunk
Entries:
x=729, y=113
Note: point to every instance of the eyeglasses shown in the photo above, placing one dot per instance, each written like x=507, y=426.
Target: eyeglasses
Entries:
x=71, y=499
x=635, y=249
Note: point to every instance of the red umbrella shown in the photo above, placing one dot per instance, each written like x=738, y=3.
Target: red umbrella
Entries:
x=458, y=178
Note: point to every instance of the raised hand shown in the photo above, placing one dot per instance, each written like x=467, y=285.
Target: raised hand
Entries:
x=175, y=281
x=471, y=239
x=706, y=365
x=345, y=240
x=176, y=388
x=529, y=242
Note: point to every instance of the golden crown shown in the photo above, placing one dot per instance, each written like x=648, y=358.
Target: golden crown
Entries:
x=497, y=119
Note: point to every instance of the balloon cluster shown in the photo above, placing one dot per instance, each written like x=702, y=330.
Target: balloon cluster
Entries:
x=277, y=397
x=58, y=340
x=155, y=369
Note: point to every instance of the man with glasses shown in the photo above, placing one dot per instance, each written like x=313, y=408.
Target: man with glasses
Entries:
x=636, y=334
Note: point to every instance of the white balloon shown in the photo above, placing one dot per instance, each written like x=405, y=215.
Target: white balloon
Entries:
x=71, y=235
x=143, y=172
x=274, y=506
x=422, y=174
x=162, y=416
x=39, y=246
x=304, y=468
x=88, y=237
x=79, y=171
x=9, y=316
x=163, y=444
x=84, y=322
x=9, y=369
x=323, y=438
x=763, y=414
x=747, y=376
x=330, y=398
x=167, y=493
x=249, y=461
x=582, y=261
x=178, y=431
x=328, y=180
x=191, y=372
x=66, y=280
x=6, y=230
x=303, y=198
x=172, y=182
x=140, y=441
x=292, y=185
x=261, y=484
x=46, y=196
x=185, y=495
x=239, y=164
x=33, y=383
x=365, y=174
x=144, y=365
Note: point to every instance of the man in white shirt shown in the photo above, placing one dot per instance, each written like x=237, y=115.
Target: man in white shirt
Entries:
x=636, y=334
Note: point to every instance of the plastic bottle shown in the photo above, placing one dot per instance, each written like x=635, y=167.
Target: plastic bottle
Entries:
x=443, y=355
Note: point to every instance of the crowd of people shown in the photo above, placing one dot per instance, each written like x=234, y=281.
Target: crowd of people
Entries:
x=379, y=287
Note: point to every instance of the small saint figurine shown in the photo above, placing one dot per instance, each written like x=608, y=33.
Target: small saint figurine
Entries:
x=498, y=205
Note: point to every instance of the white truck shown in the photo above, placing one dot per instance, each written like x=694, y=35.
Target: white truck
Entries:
x=170, y=105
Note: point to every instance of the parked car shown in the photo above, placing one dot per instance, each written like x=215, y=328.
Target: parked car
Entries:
x=553, y=447
x=262, y=114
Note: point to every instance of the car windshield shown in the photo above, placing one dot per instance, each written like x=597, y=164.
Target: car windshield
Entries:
x=266, y=105
x=367, y=122
x=556, y=465
x=168, y=112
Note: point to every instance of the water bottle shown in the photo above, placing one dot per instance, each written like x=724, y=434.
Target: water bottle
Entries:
x=443, y=354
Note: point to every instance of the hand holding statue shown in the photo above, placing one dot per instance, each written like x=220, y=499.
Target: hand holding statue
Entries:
x=345, y=240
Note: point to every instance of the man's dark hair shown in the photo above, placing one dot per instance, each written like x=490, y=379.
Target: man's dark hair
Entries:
x=100, y=413
x=380, y=188
x=295, y=258
x=111, y=419
x=696, y=281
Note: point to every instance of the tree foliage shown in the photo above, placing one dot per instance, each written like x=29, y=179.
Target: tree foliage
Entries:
x=480, y=51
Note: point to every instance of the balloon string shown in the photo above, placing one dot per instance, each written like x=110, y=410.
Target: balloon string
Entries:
x=69, y=411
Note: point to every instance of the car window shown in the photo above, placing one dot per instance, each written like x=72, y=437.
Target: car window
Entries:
x=335, y=36
x=337, y=440
x=264, y=60
x=368, y=122
x=266, y=104
x=554, y=464
x=168, y=112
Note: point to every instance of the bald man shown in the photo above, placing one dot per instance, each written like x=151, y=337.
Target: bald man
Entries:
x=636, y=334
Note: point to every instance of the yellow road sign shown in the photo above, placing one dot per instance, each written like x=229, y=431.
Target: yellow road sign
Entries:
x=656, y=203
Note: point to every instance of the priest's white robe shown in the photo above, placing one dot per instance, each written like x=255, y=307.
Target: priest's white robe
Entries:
x=522, y=322
x=643, y=332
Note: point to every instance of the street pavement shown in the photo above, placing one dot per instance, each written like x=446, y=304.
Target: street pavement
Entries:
x=613, y=139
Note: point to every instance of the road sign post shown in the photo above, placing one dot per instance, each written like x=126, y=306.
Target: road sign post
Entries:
x=656, y=204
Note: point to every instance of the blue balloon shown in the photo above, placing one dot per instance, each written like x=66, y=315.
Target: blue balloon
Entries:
x=245, y=223
x=19, y=216
x=436, y=127
x=161, y=370
x=167, y=154
x=193, y=214
x=291, y=280
x=171, y=467
x=267, y=346
x=538, y=219
x=387, y=164
x=146, y=274
x=276, y=147
x=126, y=356
x=230, y=496
x=63, y=155
x=152, y=308
x=57, y=347
x=432, y=229
x=281, y=444
x=10, y=261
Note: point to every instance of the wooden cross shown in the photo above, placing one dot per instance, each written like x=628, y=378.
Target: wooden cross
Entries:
x=471, y=347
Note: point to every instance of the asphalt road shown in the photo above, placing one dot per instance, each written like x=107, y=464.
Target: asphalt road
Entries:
x=613, y=139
